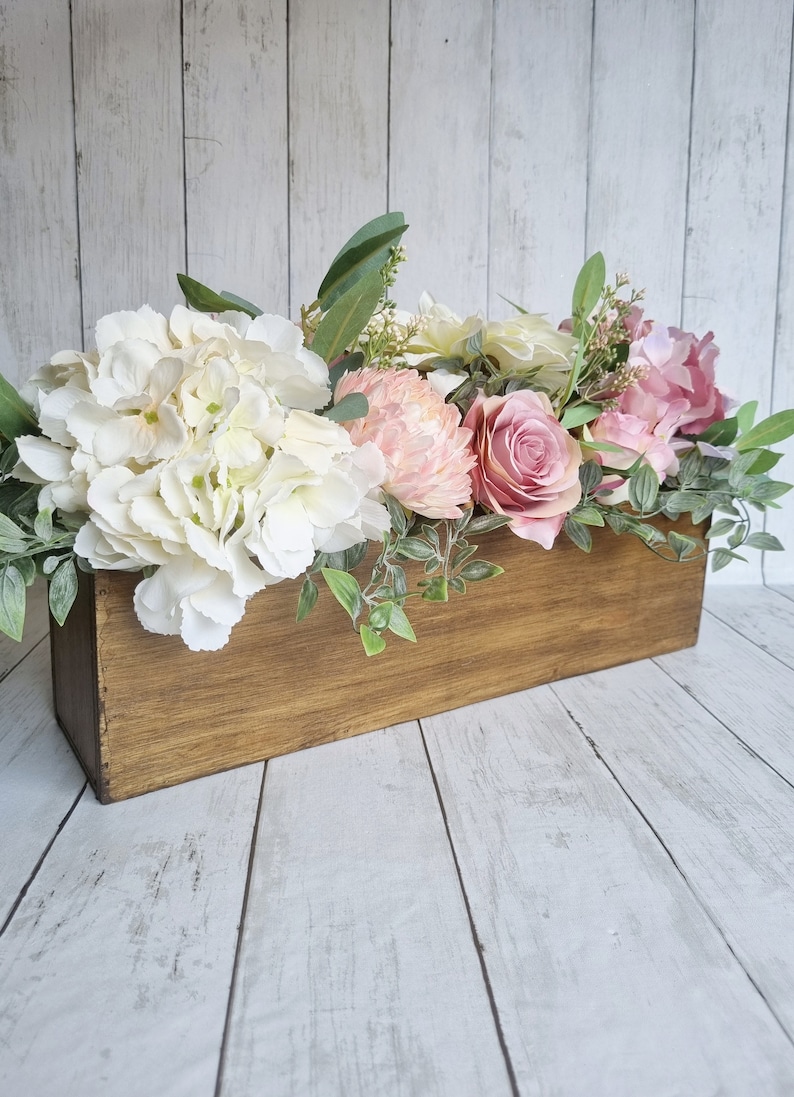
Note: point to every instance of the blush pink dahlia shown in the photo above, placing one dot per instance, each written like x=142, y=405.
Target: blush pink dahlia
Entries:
x=527, y=464
x=427, y=451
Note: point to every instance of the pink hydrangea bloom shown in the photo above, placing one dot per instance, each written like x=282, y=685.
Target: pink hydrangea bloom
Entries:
x=678, y=367
x=427, y=451
x=527, y=464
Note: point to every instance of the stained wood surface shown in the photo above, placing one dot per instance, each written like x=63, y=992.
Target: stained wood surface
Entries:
x=578, y=889
x=521, y=629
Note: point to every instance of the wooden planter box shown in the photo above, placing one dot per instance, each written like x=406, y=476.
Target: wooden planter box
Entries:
x=142, y=712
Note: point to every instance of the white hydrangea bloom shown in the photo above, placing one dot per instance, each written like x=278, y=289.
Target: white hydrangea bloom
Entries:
x=192, y=446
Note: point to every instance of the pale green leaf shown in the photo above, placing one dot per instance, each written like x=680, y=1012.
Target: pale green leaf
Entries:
x=346, y=318
x=373, y=643
x=768, y=431
x=63, y=590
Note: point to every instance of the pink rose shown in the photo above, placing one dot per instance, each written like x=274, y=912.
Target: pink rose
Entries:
x=679, y=367
x=527, y=464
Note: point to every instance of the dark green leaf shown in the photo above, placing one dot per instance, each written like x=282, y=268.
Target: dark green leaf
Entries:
x=478, y=570
x=398, y=581
x=765, y=541
x=203, y=299
x=768, y=431
x=457, y=584
x=12, y=602
x=345, y=589
x=431, y=534
x=436, y=590
x=589, y=286
x=721, y=433
x=16, y=417
x=373, y=644
x=307, y=599
x=578, y=414
x=399, y=523
x=353, y=406
x=241, y=303
x=766, y=459
x=590, y=476
x=346, y=318
x=643, y=489
x=354, y=555
x=348, y=364
x=579, y=534
x=462, y=555
x=366, y=251
x=8, y=458
x=63, y=590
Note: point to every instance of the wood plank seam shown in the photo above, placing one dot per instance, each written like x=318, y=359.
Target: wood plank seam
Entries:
x=698, y=899
x=78, y=250
x=749, y=639
x=750, y=750
x=37, y=867
x=238, y=944
x=478, y=946
x=4, y=674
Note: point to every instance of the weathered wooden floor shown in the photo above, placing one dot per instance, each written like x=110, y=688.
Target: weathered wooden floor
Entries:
x=585, y=889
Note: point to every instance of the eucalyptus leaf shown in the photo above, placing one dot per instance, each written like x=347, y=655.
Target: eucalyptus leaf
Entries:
x=16, y=417
x=589, y=286
x=768, y=431
x=346, y=365
x=347, y=317
x=577, y=414
x=721, y=433
x=353, y=406
x=766, y=459
x=12, y=602
x=373, y=643
x=241, y=303
x=204, y=299
x=365, y=252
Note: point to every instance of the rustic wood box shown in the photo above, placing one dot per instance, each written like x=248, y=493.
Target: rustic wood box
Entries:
x=142, y=712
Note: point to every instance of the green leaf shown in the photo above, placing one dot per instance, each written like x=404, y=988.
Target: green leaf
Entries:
x=739, y=468
x=589, y=286
x=721, y=433
x=414, y=548
x=738, y=535
x=768, y=431
x=436, y=590
x=590, y=476
x=721, y=557
x=354, y=555
x=462, y=555
x=353, y=406
x=578, y=414
x=457, y=584
x=16, y=417
x=601, y=447
x=766, y=459
x=682, y=546
x=767, y=542
x=367, y=250
x=63, y=590
x=241, y=303
x=346, y=318
x=521, y=311
x=579, y=534
x=307, y=599
x=679, y=502
x=347, y=365
x=765, y=490
x=484, y=523
x=398, y=580
x=400, y=625
x=399, y=522
x=478, y=570
x=745, y=415
x=643, y=489
x=26, y=568
x=380, y=616
x=12, y=602
x=204, y=299
x=588, y=516
x=721, y=527
x=13, y=538
x=50, y=564
x=373, y=644
x=42, y=525
x=430, y=534
x=345, y=589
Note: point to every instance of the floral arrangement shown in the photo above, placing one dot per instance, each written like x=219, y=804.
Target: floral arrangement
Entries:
x=220, y=450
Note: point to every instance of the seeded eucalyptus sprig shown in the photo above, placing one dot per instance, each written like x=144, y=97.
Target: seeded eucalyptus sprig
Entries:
x=379, y=606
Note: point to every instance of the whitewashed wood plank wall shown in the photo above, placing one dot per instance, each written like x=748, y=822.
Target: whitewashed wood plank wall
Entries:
x=243, y=140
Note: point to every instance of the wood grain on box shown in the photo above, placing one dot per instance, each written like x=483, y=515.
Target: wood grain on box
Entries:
x=144, y=712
